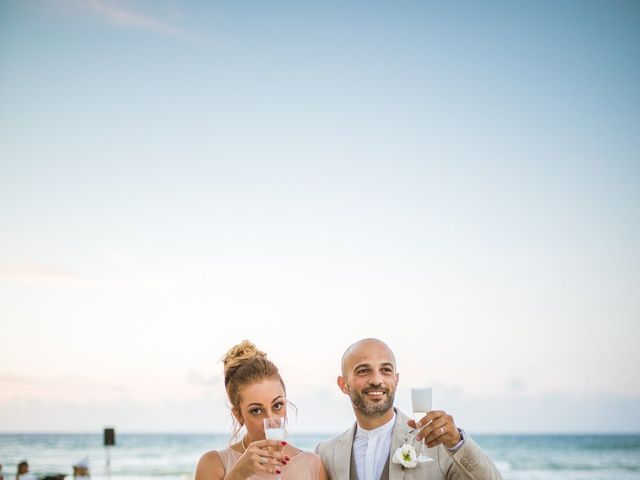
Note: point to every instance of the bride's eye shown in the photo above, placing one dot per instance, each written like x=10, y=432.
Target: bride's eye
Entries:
x=278, y=405
x=255, y=411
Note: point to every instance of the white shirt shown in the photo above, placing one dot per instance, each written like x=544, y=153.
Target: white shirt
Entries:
x=371, y=450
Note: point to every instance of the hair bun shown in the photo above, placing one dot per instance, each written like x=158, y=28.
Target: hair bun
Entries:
x=239, y=353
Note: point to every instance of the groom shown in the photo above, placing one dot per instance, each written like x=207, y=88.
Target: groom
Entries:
x=364, y=451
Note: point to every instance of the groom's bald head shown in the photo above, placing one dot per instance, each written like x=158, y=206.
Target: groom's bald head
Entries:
x=364, y=348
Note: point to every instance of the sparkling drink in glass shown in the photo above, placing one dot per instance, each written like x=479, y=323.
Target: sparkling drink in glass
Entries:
x=275, y=428
x=421, y=405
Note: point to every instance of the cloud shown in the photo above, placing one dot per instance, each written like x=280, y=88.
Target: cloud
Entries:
x=17, y=388
x=115, y=13
x=129, y=415
x=80, y=390
x=196, y=402
x=516, y=384
x=12, y=379
x=322, y=411
x=34, y=273
x=546, y=412
x=128, y=274
x=197, y=379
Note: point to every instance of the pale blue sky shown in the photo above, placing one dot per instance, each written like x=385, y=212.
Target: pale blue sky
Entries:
x=461, y=180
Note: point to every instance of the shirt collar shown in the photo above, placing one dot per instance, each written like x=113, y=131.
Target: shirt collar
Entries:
x=377, y=432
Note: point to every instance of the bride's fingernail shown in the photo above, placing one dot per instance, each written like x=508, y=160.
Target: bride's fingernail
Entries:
x=286, y=458
x=283, y=443
x=278, y=471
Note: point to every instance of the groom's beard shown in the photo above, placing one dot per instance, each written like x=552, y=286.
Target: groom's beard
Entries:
x=367, y=407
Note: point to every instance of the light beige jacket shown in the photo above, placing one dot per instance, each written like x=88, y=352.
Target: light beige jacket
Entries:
x=468, y=463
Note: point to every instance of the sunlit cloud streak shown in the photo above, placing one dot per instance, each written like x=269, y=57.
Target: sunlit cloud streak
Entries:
x=116, y=13
x=34, y=273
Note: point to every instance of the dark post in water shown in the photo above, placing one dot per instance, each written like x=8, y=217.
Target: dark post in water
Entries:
x=109, y=441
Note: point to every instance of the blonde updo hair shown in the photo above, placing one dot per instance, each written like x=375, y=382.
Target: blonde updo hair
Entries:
x=244, y=365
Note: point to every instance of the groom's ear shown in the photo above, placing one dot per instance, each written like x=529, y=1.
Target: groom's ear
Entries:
x=342, y=383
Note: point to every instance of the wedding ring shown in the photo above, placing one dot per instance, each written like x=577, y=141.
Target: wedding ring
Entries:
x=441, y=430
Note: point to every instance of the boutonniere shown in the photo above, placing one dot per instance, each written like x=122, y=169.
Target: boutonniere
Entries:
x=406, y=456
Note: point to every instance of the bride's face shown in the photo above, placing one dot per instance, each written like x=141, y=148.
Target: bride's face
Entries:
x=259, y=401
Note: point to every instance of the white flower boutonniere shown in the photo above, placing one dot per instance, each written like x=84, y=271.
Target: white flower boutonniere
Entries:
x=406, y=456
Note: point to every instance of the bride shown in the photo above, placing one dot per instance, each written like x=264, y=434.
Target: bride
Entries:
x=256, y=391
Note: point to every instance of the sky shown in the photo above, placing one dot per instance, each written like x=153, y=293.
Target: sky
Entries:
x=458, y=179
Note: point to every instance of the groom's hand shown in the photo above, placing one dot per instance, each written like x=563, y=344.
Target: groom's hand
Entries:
x=437, y=427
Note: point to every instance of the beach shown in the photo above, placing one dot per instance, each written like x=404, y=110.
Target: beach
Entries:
x=174, y=456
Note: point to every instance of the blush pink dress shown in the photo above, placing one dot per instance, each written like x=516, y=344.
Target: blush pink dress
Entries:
x=303, y=466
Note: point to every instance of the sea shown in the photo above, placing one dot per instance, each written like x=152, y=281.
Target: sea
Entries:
x=174, y=456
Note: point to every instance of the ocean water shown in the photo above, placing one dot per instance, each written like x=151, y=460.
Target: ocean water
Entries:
x=174, y=456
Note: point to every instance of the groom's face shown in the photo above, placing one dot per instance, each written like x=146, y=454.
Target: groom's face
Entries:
x=369, y=378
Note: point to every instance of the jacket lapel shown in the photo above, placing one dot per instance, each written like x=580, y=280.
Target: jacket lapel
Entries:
x=399, y=437
x=342, y=453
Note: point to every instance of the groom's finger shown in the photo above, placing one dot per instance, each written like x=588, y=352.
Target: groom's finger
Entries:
x=422, y=423
x=435, y=433
x=430, y=423
x=442, y=429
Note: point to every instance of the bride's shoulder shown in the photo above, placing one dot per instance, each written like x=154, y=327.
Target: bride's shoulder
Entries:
x=210, y=466
x=314, y=463
x=309, y=456
x=295, y=452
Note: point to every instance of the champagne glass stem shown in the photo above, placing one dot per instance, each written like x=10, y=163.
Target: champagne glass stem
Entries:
x=421, y=403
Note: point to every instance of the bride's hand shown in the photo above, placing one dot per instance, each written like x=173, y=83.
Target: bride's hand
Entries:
x=262, y=456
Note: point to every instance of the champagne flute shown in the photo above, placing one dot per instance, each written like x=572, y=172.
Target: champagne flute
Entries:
x=421, y=403
x=275, y=428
